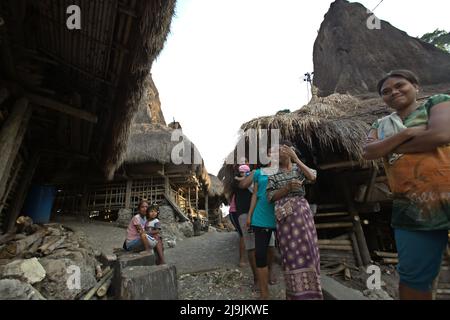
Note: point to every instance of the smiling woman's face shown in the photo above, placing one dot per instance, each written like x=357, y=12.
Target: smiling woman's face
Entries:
x=398, y=93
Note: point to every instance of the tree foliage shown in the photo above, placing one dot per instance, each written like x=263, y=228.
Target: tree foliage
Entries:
x=440, y=38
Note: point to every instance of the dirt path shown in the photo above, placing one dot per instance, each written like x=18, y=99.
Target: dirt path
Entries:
x=207, y=266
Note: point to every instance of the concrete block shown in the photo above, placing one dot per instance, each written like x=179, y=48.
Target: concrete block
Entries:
x=126, y=260
x=333, y=290
x=149, y=283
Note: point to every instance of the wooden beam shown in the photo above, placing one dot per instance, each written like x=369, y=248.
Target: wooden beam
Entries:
x=207, y=204
x=6, y=55
x=339, y=165
x=61, y=107
x=128, y=194
x=22, y=191
x=196, y=198
x=11, y=136
x=371, y=183
x=359, y=233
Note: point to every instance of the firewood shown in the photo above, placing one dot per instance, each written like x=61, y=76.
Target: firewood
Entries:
x=6, y=238
x=101, y=292
x=337, y=270
x=48, y=241
x=386, y=254
x=390, y=261
x=347, y=274
x=16, y=248
x=31, y=252
x=105, y=278
x=54, y=245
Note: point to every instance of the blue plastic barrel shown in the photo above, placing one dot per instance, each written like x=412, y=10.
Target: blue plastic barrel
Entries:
x=39, y=203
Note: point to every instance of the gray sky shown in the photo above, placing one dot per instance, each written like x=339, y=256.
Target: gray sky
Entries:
x=229, y=61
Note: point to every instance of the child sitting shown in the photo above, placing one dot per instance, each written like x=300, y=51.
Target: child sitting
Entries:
x=153, y=229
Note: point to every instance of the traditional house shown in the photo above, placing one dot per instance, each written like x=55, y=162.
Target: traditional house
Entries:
x=68, y=96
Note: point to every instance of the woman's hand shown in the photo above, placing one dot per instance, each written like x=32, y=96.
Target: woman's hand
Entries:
x=290, y=152
x=248, y=222
x=294, y=185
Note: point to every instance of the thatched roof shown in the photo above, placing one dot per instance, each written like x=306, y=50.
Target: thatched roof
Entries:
x=152, y=143
x=216, y=187
x=107, y=62
x=321, y=126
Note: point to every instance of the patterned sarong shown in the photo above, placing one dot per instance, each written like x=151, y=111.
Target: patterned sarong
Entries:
x=297, y=238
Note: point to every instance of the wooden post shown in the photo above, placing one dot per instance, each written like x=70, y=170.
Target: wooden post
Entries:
x=11, y=136
x=371, y=184
x=207, y=204
x=189, y=197
x=359, y=233
x=22, y=191
x=196, y=197
x=84, y=204
x=128, y=194
x=167, y=185
x=6, y=55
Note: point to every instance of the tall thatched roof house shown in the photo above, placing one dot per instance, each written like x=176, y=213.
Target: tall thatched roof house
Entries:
x=160, y=165
x=68, y=96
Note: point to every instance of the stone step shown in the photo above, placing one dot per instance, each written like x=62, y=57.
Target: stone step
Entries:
x=149, y=283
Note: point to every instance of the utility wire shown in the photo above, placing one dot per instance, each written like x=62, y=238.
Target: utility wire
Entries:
x=377, y=5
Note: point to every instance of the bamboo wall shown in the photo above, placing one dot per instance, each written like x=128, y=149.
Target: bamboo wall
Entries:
x=94, y=198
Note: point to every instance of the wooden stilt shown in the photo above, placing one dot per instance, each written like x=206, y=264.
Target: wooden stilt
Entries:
x=11, y=136
x=359, y=233
x=207, y=204
x=22, y=191
x=128, y=194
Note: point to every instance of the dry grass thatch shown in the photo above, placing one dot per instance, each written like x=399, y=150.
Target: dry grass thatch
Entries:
x=216, y=188
x=151, y=33
x=325, y=124
x=154, y=143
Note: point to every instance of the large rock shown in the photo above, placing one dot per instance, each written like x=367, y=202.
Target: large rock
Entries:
x=13, y=289
x=29, y=270
x=186, y=228
x=149, y=110
x=166, y=214
x=350, y=57
x=124, y=217
x=58, y=286
x=149, y=283
x=60, y=267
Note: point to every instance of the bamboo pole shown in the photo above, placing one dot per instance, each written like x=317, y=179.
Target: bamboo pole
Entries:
x=359, y=233
x=338, y=248
x=11, y=136
x=22, y=191
x=105, y=278
x=334, y=225
x=386, y=254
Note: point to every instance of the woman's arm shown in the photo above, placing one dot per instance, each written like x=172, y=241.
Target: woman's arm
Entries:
x=247, y=181
x=143, y=237
x=281, y=193
x=437, y=134
x=307, y=171
x=375, y=149
x=252, y=205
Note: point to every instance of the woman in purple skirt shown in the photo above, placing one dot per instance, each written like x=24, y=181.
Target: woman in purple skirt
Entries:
x=296, y=231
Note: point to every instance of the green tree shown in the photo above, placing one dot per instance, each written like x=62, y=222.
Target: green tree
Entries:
x=440, y=38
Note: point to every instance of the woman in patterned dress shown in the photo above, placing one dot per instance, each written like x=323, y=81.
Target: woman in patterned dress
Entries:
x=414, y=143
x=296, y=231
